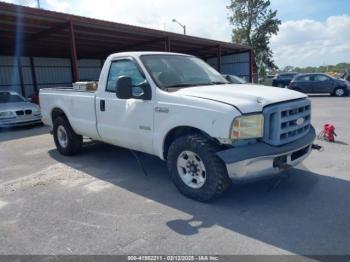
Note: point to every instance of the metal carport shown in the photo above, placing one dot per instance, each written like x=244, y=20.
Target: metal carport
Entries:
x=36, y=44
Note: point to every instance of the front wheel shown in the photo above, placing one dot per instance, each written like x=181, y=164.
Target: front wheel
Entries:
x=66, y=140
x=339, y=91
x=195, y=169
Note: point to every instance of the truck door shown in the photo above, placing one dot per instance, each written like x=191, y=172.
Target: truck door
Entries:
x=125, y=122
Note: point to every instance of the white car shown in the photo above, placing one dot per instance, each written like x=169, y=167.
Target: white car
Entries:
x=15, y=110
x=177, y=107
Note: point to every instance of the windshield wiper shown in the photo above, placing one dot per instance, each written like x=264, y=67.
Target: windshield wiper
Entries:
x=198, y=84
x=185, y=85
x=218, y=83
x=178, y=85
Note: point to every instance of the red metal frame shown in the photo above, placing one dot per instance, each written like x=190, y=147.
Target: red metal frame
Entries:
x=167, y=44
x=73, y=50
x=251, y=63
x=219, y=58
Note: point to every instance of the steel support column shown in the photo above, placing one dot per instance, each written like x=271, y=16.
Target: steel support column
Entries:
x=167, y=44
x=73, y=52
x=20, y=75
x=219, y=58
x=251, y=66
x=32, y=70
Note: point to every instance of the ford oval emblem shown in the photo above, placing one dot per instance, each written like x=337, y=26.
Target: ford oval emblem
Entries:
x=300, y=121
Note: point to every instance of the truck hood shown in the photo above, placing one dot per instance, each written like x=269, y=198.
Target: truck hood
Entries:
x=247, y=98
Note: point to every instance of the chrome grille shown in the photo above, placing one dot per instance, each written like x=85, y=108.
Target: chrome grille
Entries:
x=287, y=122
x=20, y=112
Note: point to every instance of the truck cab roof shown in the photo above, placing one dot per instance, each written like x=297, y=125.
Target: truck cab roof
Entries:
x=140, y=53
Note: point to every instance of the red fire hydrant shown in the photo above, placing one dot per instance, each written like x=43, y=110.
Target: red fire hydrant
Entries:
x=328, y=133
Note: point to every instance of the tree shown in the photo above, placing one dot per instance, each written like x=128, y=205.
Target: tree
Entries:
x=288, y=68
x=253, y=24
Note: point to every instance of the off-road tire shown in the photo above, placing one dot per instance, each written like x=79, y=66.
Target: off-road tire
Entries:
x=217, y=179
x=74, y=141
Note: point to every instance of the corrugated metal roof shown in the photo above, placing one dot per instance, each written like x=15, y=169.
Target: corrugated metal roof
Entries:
x=39, y=32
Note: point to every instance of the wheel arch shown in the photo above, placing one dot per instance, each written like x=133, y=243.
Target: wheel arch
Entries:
x=177, y=132
x=56, y=112
x=339, y=87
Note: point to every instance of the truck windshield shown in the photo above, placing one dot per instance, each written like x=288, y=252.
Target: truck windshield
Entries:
x=180, y=71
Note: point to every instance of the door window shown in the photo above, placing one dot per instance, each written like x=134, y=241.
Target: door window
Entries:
x=304, y=78
x=286, y=77
x=321, y=78
x=124, y=68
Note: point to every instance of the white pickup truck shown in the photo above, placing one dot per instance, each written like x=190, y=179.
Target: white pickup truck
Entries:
x=177, y=107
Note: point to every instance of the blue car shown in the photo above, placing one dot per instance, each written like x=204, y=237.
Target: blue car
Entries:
x=320, y=83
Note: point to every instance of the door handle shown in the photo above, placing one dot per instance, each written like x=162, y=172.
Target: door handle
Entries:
x=102, y=105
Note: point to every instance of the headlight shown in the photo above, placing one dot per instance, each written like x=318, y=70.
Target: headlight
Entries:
x=36, y=110
x=6, y=113
x=245, y=127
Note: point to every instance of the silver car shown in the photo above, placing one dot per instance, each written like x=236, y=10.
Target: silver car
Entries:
x=15, y=110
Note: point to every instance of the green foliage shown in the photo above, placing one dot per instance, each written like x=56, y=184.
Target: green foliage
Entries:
x=253, y=24
x=338, y=68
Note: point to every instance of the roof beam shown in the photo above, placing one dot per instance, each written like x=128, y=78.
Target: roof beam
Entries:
x=143, y=43
x=129, y=47
x=202, y=48
x=46, y=32
x=39, y=35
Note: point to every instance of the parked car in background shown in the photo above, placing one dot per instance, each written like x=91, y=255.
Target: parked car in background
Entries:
x=15, y=110
x=283, y=79
x=233, y=79
x=320, y=83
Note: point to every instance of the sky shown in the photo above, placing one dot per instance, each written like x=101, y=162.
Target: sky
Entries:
x=312, y=33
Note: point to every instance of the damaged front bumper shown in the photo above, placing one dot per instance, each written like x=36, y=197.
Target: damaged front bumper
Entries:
x=260, y=160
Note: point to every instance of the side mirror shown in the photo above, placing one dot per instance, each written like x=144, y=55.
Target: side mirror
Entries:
x=124, y=87
x=145, y=94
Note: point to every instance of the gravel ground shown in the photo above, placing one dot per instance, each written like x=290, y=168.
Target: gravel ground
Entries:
x=100, y=202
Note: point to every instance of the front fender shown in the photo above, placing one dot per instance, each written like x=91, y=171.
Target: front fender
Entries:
x=215, y=123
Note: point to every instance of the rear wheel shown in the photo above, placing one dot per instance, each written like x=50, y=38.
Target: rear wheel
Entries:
x=339, y=91
x=66, y=140
x=195, y=169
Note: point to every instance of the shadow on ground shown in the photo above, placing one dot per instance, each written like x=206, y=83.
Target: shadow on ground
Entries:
x=305, y=214
x=12, y=133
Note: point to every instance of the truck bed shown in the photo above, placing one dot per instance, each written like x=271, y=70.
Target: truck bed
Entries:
x=78, y=106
